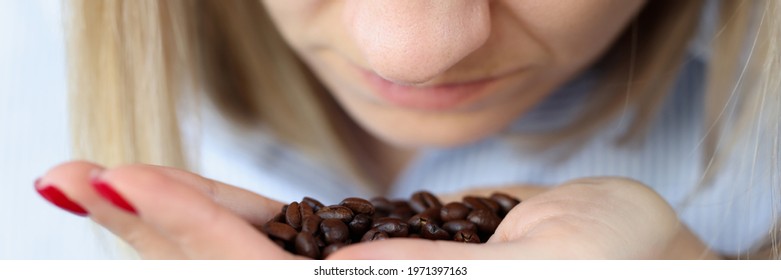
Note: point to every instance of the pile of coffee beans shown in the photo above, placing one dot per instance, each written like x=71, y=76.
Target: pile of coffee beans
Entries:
x=309, y=228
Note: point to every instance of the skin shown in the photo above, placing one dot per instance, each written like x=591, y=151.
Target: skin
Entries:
x=529, y=47
x=180, y=215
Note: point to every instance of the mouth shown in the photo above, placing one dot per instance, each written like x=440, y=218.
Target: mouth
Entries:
x=441, y=97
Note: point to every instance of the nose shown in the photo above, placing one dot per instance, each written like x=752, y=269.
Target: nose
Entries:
x=414, y=41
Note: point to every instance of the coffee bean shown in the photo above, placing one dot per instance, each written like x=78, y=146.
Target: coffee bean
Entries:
x=458, y=225
x=392, y=226
x=293, y=215
x=358, y=205
x=401, y=210
x=374, y=234
x=466, y=236
x=279, y=230
x=320, y=242
x=306, y=210
x=311, y=224
x=306, y=245
x=334, y=231
x=336, y=212
x=495, y=207
x=430, y=216
x=505, y=201
x=485, y=220
x=475, y=203
x=314, y=203
x=454, y=211
x=279, y=218
x=360, y=224
x=308, y=228
x=330, y=249
x=423, y=200
x=378, y=221
x=433, y=232
x=382, y=206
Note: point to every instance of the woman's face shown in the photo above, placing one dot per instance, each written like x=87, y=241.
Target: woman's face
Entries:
x=442, y=73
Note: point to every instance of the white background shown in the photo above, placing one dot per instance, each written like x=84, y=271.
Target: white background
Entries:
x=33, y=136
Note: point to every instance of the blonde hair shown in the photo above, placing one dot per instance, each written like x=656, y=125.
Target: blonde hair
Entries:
x=134, y=62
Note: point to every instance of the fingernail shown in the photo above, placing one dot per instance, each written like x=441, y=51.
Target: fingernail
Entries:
x=58, y=198
x=107, y=191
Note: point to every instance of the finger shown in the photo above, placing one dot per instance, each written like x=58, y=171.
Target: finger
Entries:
x=182, y=212
x=70, y=183
x=248, y=205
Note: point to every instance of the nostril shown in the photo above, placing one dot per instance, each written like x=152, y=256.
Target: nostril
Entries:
x=411, y=42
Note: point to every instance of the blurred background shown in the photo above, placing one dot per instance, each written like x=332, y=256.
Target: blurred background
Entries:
x=33, y=136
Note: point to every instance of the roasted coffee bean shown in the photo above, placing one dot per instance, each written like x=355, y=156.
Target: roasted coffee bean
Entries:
x=279, y=218
x=505, y=201
x=360, y=224
x=314, y=203
x=493, y=205
x=311, y=224
x=458, y=225
x=306, y=245
x=401, y=210
x=358, y=205
x=382, y=205
x=310, y=229
x=280, y=231
x=423, y=200
x=383, y=220
x=306, y=210
x=466, y=236
x=402, y=214
x=293, y=215
x=481, y=203
x=433, y=232
x=336, y=212
x=334, y=231
x=485, y=220
x=392, y=226
x=403, y=204
x=430, y=216
x=330, y=249
x=454, y=211
x=320, y=242
x=374, y=234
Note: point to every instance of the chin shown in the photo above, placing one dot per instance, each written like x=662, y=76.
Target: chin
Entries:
x=414, y=136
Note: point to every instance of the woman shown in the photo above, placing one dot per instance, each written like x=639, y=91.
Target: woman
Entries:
x=538, y=99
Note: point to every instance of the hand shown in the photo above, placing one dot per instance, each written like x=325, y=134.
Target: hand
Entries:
x=596, y=218
x=165, y=213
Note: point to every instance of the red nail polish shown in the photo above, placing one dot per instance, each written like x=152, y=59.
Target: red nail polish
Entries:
x=106, y=191
x=56, y=197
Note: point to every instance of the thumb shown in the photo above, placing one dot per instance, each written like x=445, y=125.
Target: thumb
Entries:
x=252, y=207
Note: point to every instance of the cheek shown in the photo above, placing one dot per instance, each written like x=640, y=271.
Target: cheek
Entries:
x=575, y=31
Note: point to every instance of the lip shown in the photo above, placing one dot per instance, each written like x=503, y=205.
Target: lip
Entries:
x=432, y=98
